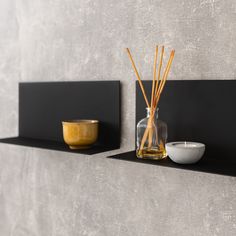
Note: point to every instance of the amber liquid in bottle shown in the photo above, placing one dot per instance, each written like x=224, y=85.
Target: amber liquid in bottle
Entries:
x=151, y=153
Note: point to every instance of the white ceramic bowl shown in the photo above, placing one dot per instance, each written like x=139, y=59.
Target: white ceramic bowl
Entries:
x=185, y=152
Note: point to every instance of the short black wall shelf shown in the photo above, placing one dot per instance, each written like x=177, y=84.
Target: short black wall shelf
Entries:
x=44, y=105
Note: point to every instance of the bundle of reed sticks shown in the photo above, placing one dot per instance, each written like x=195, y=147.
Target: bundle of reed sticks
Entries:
x=158, y=84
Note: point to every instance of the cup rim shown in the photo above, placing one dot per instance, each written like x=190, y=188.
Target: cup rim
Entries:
x=82, y=121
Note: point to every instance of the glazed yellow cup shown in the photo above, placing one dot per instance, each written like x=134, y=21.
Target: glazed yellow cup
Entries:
x=80, y=134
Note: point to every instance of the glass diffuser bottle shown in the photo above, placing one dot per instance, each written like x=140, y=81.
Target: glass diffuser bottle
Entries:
x=151, y=137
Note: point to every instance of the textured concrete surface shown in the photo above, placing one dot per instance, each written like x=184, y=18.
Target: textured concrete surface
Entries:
x=58, y=194
x=58, y=40
x=52, y=193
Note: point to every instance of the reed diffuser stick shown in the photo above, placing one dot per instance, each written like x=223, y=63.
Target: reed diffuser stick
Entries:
x=154, y=76
x=150, y=134
x=164, y=78
x=138, y=77
x=159, y=69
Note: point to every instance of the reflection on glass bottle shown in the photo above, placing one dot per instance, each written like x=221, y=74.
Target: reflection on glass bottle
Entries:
x=151, y=137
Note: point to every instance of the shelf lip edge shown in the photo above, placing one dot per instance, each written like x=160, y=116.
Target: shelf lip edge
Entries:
x=52, y=145
x=203, y=168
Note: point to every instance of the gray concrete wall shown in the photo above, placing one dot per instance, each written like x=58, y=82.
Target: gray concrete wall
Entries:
x=59, y=194
x=52, y=193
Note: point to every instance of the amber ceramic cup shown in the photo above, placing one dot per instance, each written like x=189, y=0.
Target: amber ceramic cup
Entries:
x=80, y=134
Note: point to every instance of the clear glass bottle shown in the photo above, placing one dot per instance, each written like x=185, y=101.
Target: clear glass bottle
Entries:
x=151, y=137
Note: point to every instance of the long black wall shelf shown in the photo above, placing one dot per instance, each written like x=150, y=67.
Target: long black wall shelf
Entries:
x=200, y=111
x=197, y=110
x=44, y=105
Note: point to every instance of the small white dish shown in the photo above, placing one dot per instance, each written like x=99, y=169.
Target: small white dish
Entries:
x=185, y=152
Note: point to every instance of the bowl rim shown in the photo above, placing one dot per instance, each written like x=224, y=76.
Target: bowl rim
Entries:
x=80, y=121
x=196, y=144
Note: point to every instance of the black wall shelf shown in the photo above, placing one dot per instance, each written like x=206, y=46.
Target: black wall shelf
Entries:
x=203, y=120
x=44, y=105
x=196, y=110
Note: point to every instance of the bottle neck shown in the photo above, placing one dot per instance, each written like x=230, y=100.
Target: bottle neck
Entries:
x=151, y=111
